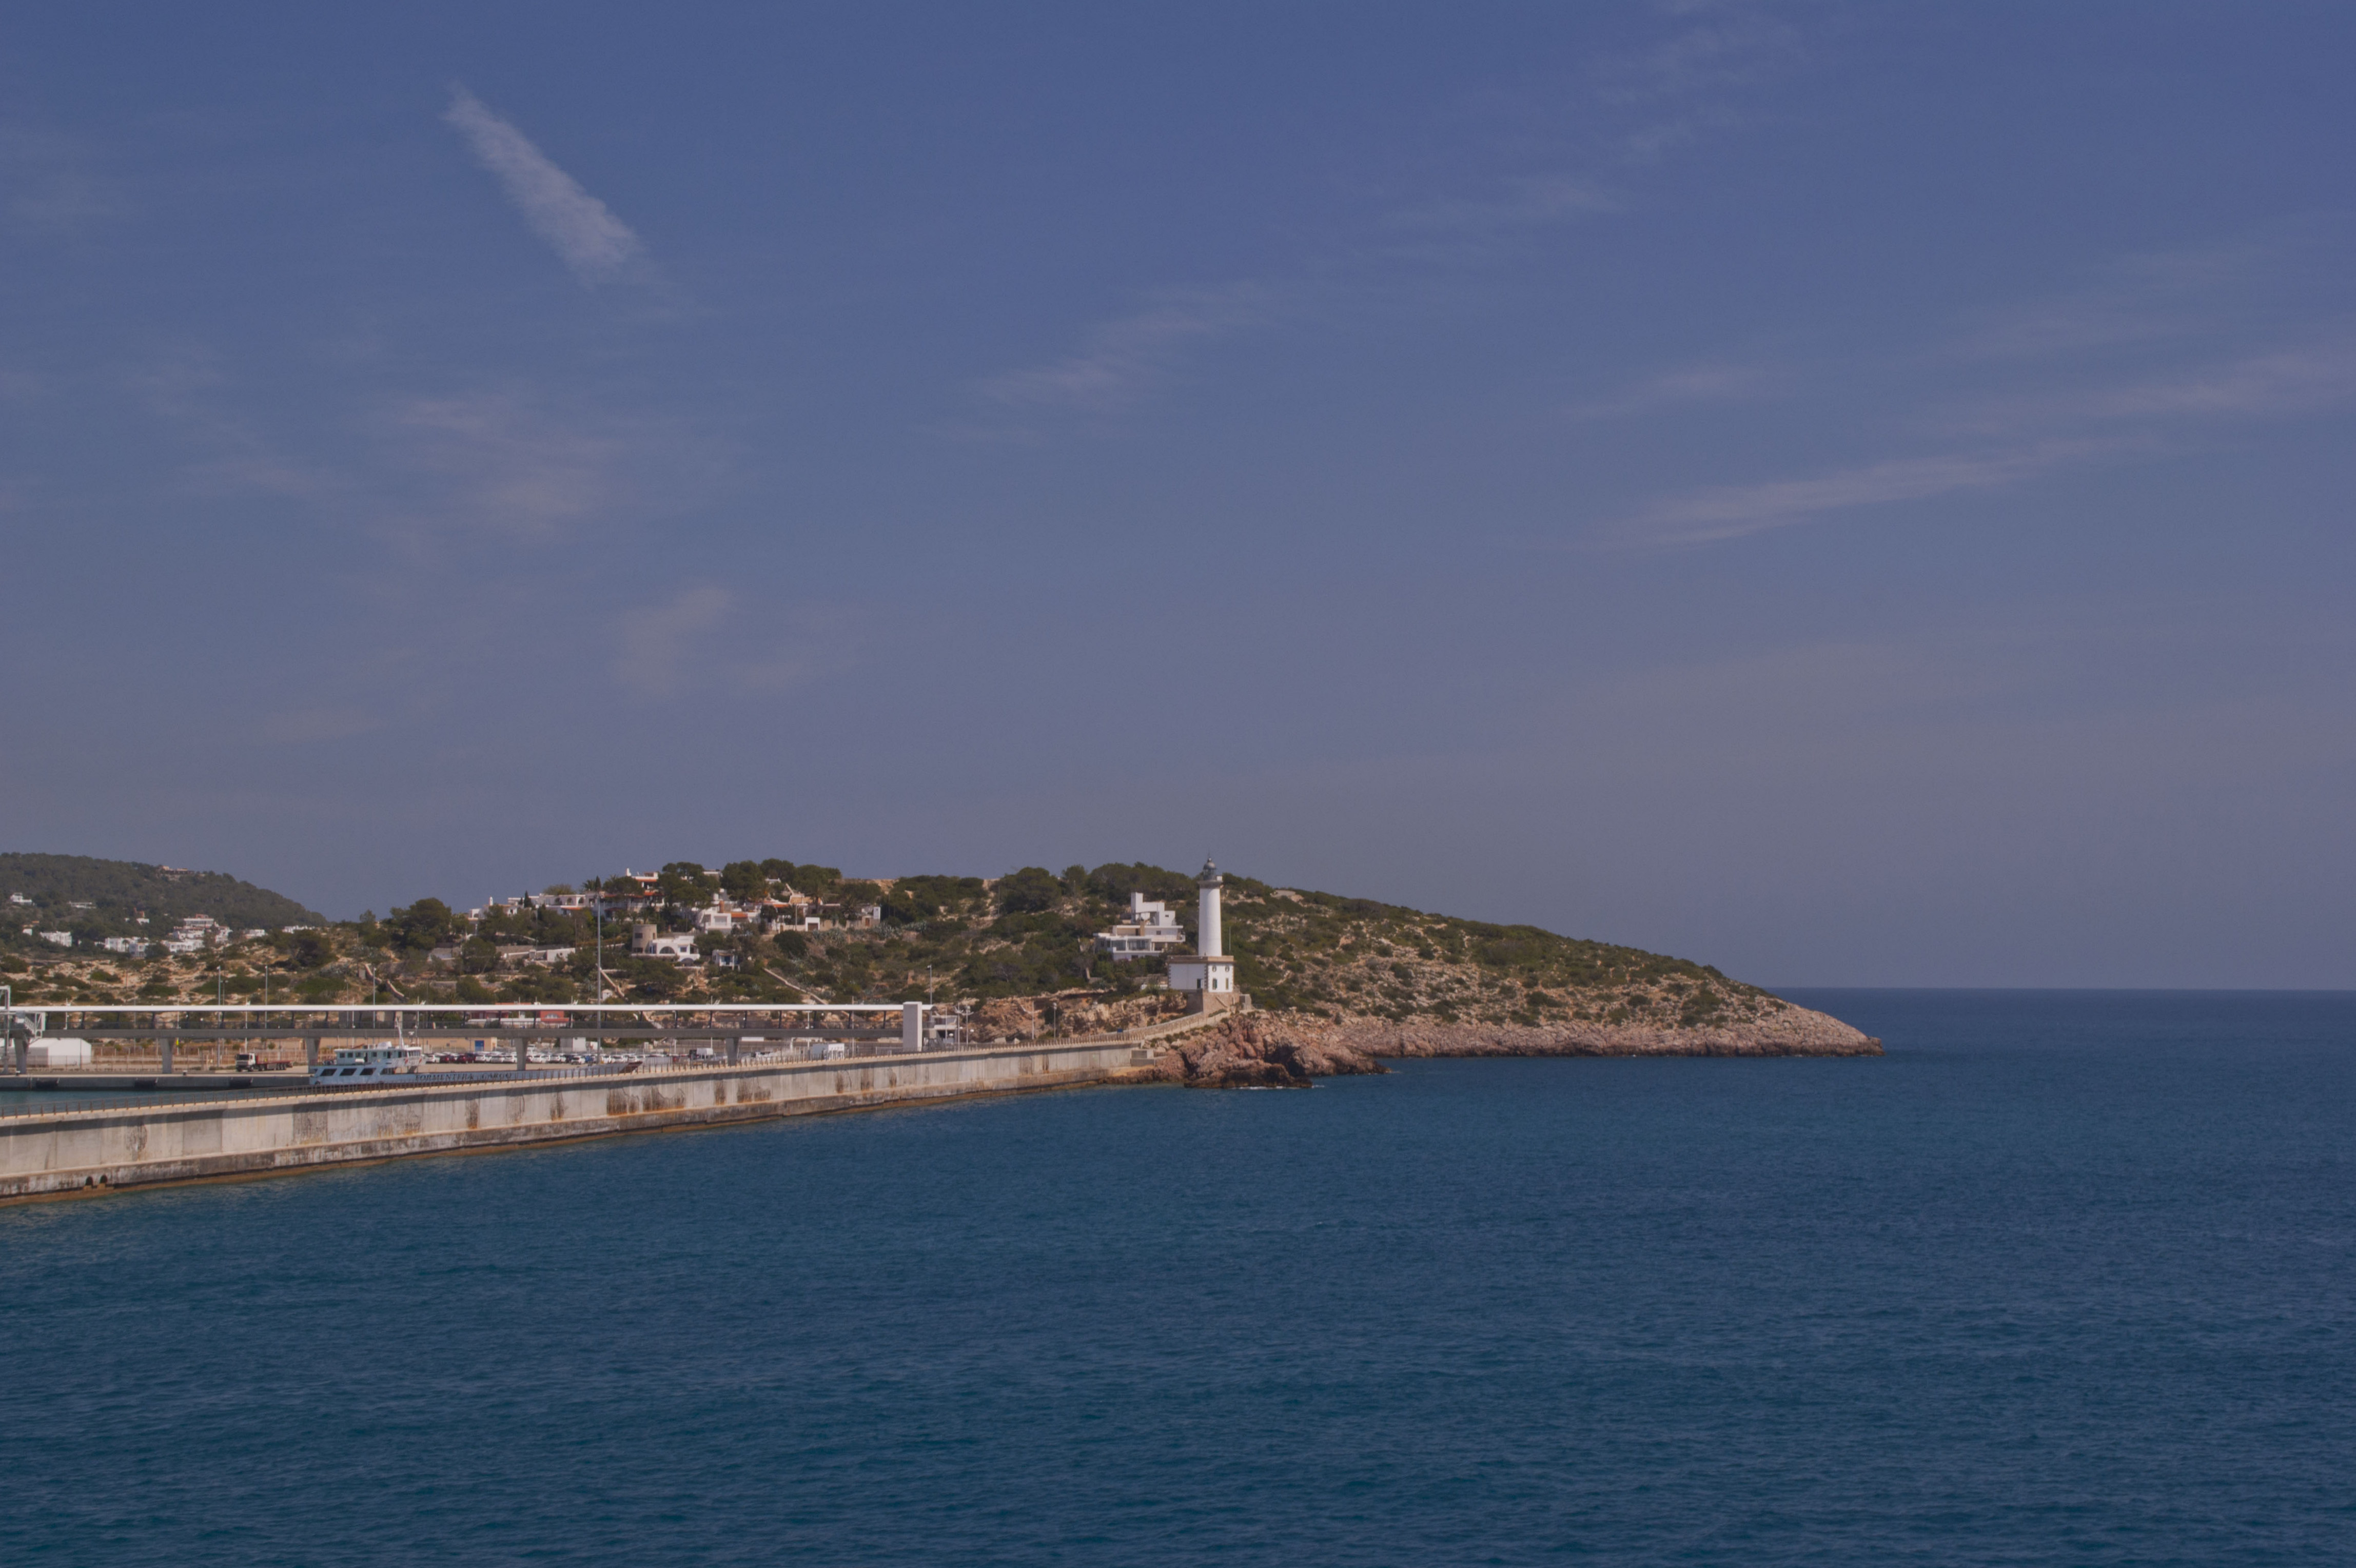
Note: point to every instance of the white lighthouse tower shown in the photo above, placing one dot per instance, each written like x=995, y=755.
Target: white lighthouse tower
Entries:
x=1210, y=973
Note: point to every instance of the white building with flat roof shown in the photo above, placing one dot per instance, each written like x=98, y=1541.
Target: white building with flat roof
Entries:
x=194, y=933
x=1149, y=931
x=678, y=947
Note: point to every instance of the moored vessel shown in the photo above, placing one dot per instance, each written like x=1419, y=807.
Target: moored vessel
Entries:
x=355, y=1067
x=395, y=1064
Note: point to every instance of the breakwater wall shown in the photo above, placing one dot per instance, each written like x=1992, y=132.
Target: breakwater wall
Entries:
x=53, y=1153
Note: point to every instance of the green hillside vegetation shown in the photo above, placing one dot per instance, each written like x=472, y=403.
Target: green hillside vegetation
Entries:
x=1340, y=958
x=1032, y=932
x=1028, y=934
x=119, y=891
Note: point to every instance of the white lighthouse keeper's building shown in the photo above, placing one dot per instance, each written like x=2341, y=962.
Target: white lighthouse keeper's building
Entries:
x=1209, y=974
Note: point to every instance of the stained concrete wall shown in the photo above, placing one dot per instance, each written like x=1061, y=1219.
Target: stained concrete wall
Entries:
x=61, y=1152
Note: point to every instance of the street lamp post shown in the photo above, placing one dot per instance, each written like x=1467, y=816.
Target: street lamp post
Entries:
x=598, y=904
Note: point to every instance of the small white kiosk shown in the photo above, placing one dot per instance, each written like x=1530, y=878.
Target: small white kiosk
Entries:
x=1208, y=973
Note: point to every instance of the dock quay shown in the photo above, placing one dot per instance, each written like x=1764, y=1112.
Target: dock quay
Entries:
x=289, y=1127
x=118, y=1082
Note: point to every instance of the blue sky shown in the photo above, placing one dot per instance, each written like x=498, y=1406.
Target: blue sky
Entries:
x=1852, y=494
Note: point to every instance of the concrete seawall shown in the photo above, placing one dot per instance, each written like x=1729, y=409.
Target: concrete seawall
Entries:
x=53, y=1153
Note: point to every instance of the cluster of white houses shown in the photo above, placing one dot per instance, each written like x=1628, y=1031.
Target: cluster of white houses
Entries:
x=1151, y=931
x=192, y=934
x=781, y=910
x=784, y=909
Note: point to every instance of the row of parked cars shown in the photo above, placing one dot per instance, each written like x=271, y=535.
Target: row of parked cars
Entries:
x=581, y=1058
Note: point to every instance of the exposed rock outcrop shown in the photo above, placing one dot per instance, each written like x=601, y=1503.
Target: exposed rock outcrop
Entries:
x=1018, y=1019
x=1257, y=1050
x=1286, y=1050
x=1781, y=1030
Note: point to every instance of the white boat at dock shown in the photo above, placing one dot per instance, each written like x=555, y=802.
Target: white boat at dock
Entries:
x=355, y=1067
x=395, y=1064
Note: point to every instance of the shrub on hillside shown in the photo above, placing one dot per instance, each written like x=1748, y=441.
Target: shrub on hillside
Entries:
x=1114, y=883
x=421, y=927
x=1028, y=891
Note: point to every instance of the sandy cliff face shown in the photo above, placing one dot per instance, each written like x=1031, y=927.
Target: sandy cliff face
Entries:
x=1286, y=1050
x=1013, y=1018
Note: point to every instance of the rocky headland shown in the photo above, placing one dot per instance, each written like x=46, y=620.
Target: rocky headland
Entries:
x=1341, y=984
x=1286, y=1050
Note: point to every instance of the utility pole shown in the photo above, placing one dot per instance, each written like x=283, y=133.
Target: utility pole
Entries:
x=598, y=990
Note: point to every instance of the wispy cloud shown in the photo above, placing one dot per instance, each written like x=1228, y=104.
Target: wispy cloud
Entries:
x=22, y=386
x=1716, y=47
x=666, y=644
x=2137, y=299
x=2097, y=319
x=658, y=639
x=2277, y=383
x=1730, y=511
x=1687, y=82
x=1651, y=100
x=47, y=180
x=1665, y=97
x=2138, y=418
x=425, y=474
x=1523, y=200
x=2289, y=380
x=500, y=463
x=324, y=722
x=188, y=390
x=2159, y=354
x=1121, y=358
x=1679, y=389
x=585, y=232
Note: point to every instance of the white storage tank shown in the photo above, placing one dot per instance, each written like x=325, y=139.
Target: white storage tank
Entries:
x=58, y=1053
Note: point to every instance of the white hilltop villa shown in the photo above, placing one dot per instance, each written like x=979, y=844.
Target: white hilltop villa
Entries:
x=1149, y=931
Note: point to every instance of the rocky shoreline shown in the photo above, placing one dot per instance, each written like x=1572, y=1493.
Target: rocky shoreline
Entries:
x=1286, y=1050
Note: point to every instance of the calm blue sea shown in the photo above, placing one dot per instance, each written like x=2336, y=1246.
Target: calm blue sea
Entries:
x=2064, y=1278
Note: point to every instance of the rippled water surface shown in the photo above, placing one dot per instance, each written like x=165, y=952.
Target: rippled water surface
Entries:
x=2063, y=1278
